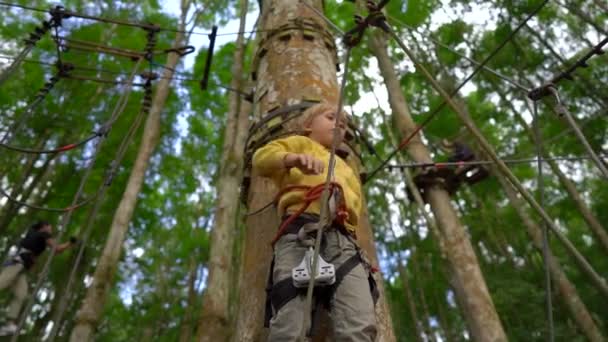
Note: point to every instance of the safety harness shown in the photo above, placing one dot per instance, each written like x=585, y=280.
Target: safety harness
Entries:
x=299, y=223
x=313, y=193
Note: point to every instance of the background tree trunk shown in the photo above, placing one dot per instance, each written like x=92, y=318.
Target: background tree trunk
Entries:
x=467, y=279
x=214, y=323
x=89, y=314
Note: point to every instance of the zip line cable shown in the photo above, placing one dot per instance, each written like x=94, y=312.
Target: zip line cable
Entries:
x=457, y=164
x=436, y=111
x=324, y=217
x=546, y=249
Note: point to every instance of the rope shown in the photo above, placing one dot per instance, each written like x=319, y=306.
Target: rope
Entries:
x=407, y=139
x=481, y=162
x=145, y=108
x=120, y=106
x=64, y=148
x=563, y=111
x=545, y=235
x=124, y=22
x=188, y=77
x=323, y=215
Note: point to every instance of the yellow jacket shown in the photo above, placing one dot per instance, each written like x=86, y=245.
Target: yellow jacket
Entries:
x=268, y=161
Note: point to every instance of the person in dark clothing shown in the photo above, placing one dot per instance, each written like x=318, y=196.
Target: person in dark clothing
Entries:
x=460, y=152
x=13, y=275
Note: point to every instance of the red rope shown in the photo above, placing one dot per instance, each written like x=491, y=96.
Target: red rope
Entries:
x=313, y=193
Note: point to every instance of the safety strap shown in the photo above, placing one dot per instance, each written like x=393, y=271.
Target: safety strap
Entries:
x=313, y=193
x=279, y=294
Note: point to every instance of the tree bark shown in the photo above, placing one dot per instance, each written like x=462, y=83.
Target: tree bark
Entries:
x=89, y=314
x=468, y=282
x=567, y=291
x=214, y=322
x=291, y=64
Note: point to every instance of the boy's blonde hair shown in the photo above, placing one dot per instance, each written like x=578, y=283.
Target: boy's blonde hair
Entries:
x=319, y=109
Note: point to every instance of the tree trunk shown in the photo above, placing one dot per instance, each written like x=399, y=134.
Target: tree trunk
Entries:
x=291, y=64
x=566, y=289
x=468, y=282
x=89, y=314
x=214, y=323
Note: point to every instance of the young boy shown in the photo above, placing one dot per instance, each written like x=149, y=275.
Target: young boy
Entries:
x=302, y=161
x=13, y=274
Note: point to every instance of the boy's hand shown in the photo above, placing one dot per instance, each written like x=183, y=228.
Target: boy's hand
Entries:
x=306, y=163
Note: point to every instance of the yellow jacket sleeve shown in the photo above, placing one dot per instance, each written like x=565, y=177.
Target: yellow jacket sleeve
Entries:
x=268, y=161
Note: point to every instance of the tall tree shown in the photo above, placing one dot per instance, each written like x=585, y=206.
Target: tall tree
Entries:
x=467, y=278
x=294, y=61
x=215, y=320
x=91, y=310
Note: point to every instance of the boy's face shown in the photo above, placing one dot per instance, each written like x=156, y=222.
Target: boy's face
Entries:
x=322, y=128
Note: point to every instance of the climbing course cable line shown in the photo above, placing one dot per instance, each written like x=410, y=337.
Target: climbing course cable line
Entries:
x=113, y=169
x=350, y=40
x=550, y=89
x=405, y=142
x=480, y=162
x=61, y=149
x=56, y=20
x=101, y=133
x=118, y=110
x=65, y=69
x=69, y=13
x=546, y=249
x=183, y=76
x=332, y=155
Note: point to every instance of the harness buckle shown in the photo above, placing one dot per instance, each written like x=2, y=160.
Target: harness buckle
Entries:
x=301, y=274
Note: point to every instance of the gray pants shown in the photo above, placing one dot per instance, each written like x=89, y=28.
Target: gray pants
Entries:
x=13, y=276
x=352, y=307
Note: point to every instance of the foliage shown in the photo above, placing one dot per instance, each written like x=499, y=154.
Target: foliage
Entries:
x=171, y=224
